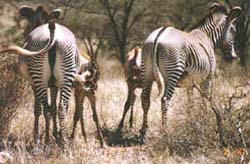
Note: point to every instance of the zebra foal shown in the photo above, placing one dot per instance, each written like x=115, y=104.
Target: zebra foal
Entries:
x=132, y=72
x=176, y=57
x=86, y=86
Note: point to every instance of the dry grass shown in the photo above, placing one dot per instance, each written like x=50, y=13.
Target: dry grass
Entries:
x=191, y=133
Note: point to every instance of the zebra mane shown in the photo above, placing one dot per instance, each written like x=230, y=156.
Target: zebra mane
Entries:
x=219, y=10
x=213, y=24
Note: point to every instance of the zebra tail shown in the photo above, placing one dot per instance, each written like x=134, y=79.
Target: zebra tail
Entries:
x=159, y=80
x=157, y=74
x=21, y=51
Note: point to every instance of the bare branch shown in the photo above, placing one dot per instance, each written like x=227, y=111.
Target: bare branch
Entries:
x=111, y=15
x=86, y=46
x=136, y=18
x=65, y=10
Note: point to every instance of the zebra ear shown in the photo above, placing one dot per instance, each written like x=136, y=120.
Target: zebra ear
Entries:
x=214, y=6
x=55, y=14
x=26, y=11
x=234, y=13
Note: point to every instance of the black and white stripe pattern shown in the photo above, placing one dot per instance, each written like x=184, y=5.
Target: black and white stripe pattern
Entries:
x=178, y=58
x=36, y=18
x=57, y=69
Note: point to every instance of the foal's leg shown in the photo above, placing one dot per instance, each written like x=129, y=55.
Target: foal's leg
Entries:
x=129, y=100
x=92, y=100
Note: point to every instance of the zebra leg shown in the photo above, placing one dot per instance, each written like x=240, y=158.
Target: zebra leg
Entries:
x=92, y=100
x=37, y=113
x=170, y=84
x=53, y=94
x=132, y=101
x=65, y=92
x=78, y=115
x=82, y=125
x=46, y=111
x=206, y=85
x=145, y=97
x=131, y=89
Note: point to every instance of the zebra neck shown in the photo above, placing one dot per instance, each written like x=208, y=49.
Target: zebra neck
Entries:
x=214, y=29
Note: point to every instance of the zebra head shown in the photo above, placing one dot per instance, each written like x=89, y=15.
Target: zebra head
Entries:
x=37, y=17
x=88, y=76
x=228, y=39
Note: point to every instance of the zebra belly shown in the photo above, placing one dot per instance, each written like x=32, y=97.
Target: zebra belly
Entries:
x=189, y=79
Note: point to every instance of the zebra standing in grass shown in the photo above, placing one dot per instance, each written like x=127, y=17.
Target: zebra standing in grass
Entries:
x=86, y=86
x=179, y=57
x=132, y=71
x=133, y=75
x=56, y=69
x=36, y=18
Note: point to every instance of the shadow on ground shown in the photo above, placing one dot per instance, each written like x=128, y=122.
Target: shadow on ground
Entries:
x=116, y=137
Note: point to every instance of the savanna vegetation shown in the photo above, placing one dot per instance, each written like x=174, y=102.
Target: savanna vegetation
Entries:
x=201, y=129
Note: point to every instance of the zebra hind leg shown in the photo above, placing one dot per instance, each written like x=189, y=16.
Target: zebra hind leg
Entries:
x=46, y=113
x=37, y=113
x=145, y=97
x=170, y=84
x=65, y=93
x=53, y=94
x=132, y=102
x=131, y=89
x=92, y=100
x=62, y=138
x=206, y=86
x=78, y=115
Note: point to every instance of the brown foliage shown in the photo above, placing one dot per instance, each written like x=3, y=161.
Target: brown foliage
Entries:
x=13, y=89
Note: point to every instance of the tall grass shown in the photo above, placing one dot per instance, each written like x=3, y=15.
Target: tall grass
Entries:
x=192, y=134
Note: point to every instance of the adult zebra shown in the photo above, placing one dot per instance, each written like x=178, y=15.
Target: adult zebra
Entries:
x=56, y=69
x=36, y=18
x=176, y=56
x=85, y=84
